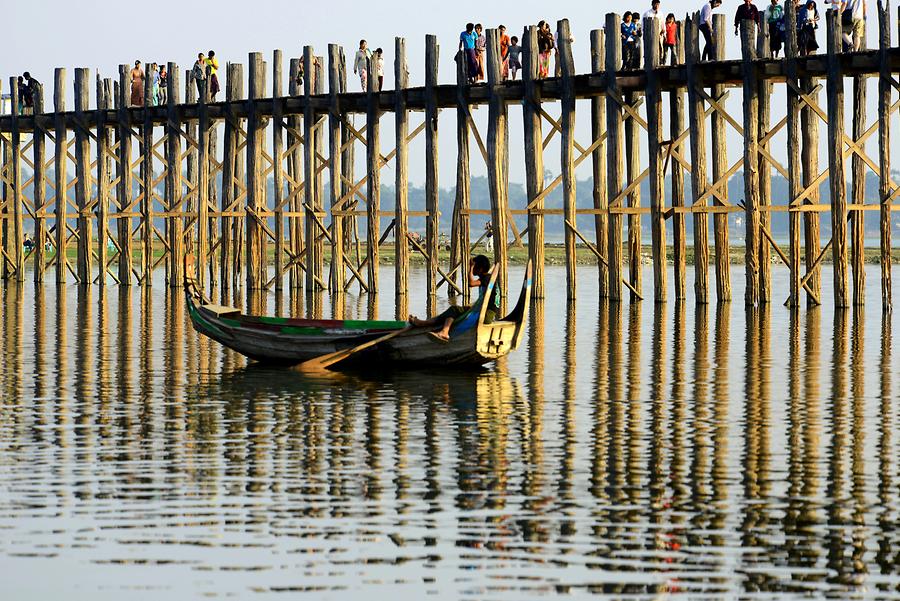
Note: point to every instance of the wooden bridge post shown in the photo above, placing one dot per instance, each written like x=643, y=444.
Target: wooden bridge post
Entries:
x=278, y=167
x=534, y=158
x=884, y=150
x=460, y=242
x=791, y=52
x=373, y=178
x=751, y=162
x=567, y=158
x=319, y=177
x=836, y=177
x=234, y=93
x=256, y=183
x=83, y=173
x=296, y=173
x=809, y=165
x=15, y=230
x=401, y=180
x=147, y=187
x=719, y=169
x=348, y=172
x=103, y=181
x=676, y=127
x=615, y=160
x=633, y=173
x=858, y=192
x=699, y=181
x=496, y=153
x=764, y=91
x=174, y=187
x=40, y=185
x=338, y=270
x=124, y=189
x=432, y=192
x=657, y=164
x=598, y=163
x=191, y=127
x=60, y=172
x=205, y=186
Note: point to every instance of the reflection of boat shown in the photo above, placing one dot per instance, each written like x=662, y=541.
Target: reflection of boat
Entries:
x=292, y=341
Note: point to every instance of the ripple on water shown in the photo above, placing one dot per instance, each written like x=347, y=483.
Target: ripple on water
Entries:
x=626, y=452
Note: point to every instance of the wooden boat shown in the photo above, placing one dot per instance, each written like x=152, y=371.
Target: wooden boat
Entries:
x=292, y=341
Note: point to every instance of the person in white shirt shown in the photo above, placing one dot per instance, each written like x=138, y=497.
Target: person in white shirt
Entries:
x=361, y=64
x=379, y=69
x=705, y=27
x=653, y=13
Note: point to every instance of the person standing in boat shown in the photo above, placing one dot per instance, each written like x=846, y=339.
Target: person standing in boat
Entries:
x=479, y=277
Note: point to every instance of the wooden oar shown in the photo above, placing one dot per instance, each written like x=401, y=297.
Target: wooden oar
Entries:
x=325, y=361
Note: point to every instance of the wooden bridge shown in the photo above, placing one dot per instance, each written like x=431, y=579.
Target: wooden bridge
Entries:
x=150, y=184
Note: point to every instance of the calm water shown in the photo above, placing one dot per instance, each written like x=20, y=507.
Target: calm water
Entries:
x=625, y=452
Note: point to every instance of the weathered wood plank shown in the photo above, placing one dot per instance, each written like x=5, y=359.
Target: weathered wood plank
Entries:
x=676, y=127
x=256, y=183
x=598, y=164
x=296, y=173
x=567, y=158
x=615, y=159
x=884, y=151
x=373, y=178
x=125, y=186
x=751, y=163
x=40, y=188
x=432, y=191
x=278, y=167
x=401, y=181
x=858, y=194
x=84, y=258
x=147, y=187
x=174, y=190
x=234, y=93
x=534, y=158
x=103, y=181
x=338, y=270
x=657, y=162
x=764, y=92
x=14, y=230
x=496, y=153
x=699, y=181
x=835, y=144
x=460, y=238
x=793, y=150
x=719, y=168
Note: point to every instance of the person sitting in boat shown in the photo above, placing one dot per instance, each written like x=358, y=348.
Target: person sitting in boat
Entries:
x=479, y=277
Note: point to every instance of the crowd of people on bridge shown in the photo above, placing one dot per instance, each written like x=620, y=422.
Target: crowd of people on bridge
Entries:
x=772, y=20
x=26, y=86
x=204, y=72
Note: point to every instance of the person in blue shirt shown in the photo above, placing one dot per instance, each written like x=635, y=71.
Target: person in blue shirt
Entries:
x=479, y=276
x=467, y=45
x=629, y=40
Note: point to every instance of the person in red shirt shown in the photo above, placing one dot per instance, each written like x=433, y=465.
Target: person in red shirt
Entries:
x=504, y=53
x=670, y=39
x=745, y=12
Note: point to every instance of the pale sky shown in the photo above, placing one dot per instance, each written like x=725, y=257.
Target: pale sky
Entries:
x=101, y=34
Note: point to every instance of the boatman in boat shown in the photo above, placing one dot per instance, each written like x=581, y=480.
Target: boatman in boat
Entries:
x=479, y=277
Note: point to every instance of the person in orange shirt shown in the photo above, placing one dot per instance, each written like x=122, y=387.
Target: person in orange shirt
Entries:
x=504, y=53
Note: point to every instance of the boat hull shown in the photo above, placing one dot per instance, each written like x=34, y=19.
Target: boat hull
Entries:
x=292, y=341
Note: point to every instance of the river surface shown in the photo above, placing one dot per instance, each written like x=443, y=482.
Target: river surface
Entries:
x=632, y=451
